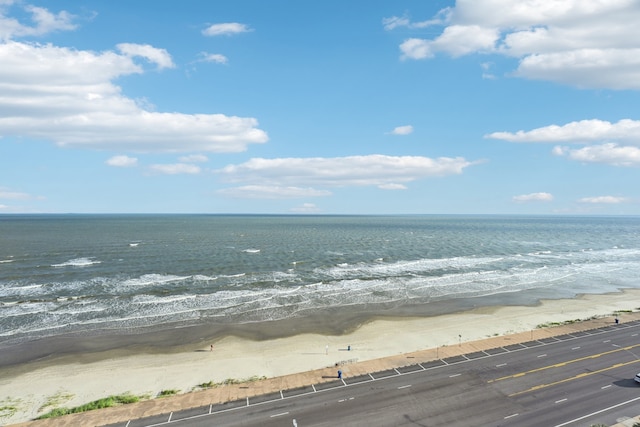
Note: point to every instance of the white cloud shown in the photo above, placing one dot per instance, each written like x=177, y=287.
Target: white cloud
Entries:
x=533, y=197
x=43, y=21
x=581, y=131
x=306, y=208
x=68, y=96
x=272, y=192
x=225, y=29
x=614, y=144
x=213, y=57
x=610, y=154
x=13, y=195
x=603, y=200
x=392, y=186
x=402, y=130
x=176, y=169
x=122, y=161
x=194, y=158
x=160, y=57
x=404, y=21
x=416, y=49
x=372, y=170
x=585, y=43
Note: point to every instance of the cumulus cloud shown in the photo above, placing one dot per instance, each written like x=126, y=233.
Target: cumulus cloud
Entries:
x=213, y=57
x=306, y=208
x=392, y=186
x=402, y=130
x=272, y=192
x=42, y=21
x=405, y=22
x=194, y=158
x=68, y=96
x=579, y=131
x=609, y=154
x=225, y=29
x=609, y=200
x=122, y=161
x=585, y=43
x=160, y=57
x=615, y=144
x=533, y=197
x=176, y=169
x=13, y=195
x=387, y=172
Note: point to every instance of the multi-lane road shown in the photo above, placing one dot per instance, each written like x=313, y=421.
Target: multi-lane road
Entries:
x=580, y=379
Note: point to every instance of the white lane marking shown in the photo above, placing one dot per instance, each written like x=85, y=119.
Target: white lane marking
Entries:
x=501, y=365
x=542, y=355
x=606, y=341
x=280, y=414
x=597, y=412
x=575, y=348
x=511, y=416
x=634, y=335
x=454, y=375
x=606, y=386
x=404, y=386
x=295, y=423
x=561, y=400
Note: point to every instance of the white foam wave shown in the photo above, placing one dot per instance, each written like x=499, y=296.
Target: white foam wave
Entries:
x=77, y=262
x=251, y=251
x=153, y=279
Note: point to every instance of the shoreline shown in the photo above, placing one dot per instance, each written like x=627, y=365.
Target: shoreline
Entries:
x=76, y=379
x=174, y=338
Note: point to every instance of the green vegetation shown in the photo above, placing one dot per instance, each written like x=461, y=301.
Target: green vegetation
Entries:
x=107, y=402
x=566, y=322
x=165, y=393
x=8, y=407
x=56, y=400
x=230, y=381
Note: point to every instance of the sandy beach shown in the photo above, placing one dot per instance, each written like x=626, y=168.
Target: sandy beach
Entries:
x=35, y=388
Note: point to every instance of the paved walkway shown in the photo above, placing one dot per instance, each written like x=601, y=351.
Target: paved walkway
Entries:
x=235, y=392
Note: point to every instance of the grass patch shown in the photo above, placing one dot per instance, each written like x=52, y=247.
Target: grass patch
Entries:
x=57, y=399
x=230, y=381
x=566, y=322
x=165, y=393
x=8, y=407
x=107, y=402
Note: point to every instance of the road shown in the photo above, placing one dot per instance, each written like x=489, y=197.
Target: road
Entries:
x=580, y=379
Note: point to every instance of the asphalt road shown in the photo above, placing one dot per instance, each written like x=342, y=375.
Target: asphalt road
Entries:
x=580, y=379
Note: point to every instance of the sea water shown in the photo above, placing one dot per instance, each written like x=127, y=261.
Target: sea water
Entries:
x=62, y=274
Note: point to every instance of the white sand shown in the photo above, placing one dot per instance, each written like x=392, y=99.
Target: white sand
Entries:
x=73, y=384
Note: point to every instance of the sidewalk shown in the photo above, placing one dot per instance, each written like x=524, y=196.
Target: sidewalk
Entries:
x=234, y=392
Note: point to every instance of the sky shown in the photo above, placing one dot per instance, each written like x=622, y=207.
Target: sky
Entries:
x=320, y=107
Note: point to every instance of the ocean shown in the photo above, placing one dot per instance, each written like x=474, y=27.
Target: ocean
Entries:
x=87, y=275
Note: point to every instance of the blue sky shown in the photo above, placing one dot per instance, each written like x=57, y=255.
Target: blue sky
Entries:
x=324, y=107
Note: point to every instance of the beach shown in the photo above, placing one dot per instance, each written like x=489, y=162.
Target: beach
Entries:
x=70, y=380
